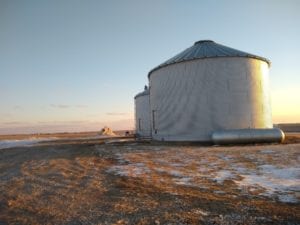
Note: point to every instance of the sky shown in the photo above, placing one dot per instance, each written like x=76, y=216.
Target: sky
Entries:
x=72, y=65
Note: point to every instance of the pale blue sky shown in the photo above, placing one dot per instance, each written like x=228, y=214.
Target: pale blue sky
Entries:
x=76, y=65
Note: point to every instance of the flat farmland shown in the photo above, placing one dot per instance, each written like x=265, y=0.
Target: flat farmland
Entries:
x=129, y=182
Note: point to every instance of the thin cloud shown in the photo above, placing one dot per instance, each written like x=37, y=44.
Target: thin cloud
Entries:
x=14, y=123
x=62, y=122
x=64, y=106
x=116, y=114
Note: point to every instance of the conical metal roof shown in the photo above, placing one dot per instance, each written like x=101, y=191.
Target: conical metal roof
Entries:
x=145, y=92
x=207, y=49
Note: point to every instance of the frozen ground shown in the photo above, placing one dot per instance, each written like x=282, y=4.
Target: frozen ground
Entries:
x=22, y=142
x=32, y=141
x=267, y=171
x=119, y=182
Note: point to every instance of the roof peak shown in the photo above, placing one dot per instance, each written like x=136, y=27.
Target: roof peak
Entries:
x=203, y=41
x=204, y=49
x=145, y=92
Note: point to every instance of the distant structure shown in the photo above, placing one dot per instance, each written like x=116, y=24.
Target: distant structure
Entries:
x=208, y=93
x=142, y=114
x=107, y=131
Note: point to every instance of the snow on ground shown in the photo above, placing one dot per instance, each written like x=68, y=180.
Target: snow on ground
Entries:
x=183, y=181
x=274, y=180
x=272, y=173
x=23, y=142
x=223, y=175
x=287, y=198
x=132, y=170
x=267, y=151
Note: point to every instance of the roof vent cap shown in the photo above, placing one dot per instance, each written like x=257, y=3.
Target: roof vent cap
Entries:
x=203, y=41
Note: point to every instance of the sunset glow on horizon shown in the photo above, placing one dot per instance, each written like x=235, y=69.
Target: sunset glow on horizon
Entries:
x=70, y=66
x=286, y=105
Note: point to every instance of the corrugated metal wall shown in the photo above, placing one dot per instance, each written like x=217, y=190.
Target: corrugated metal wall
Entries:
x=142, y=116
x=192, y=99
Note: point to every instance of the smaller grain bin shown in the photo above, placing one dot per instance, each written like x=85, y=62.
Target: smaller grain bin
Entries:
x=142, y=114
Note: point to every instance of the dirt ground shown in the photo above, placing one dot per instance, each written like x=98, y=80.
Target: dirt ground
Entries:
x=125, y=182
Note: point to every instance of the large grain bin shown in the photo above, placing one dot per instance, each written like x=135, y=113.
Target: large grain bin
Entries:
x=142, y=114
x=206, y=88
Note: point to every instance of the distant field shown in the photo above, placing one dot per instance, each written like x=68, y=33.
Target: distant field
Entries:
x=57, y=135
x=289, y=127
x=112, y=182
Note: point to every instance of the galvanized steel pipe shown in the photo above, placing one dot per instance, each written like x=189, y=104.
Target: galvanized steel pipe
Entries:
x=244, y=136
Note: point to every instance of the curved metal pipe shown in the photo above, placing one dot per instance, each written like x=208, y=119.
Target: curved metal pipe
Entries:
x=244, y=136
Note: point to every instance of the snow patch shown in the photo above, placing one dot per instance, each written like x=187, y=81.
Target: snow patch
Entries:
x=267, y=151
x=171, y=172
x=220, y=192
x=183, y=181
x=225, y=157
x=222, y=175
x=201, y=212
x=289, y=174
x=273, y=180
x=132, y=170
x=174, y=173
x=22, y=143
x=288, y=198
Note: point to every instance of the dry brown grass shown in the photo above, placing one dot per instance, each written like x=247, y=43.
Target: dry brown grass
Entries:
x=131, y=183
